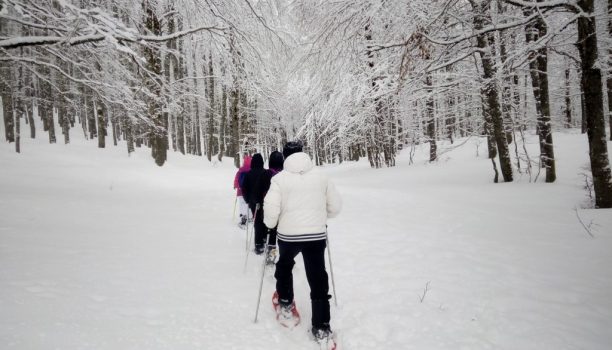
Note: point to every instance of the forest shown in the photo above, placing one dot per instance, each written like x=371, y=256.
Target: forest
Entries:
x=350, y=78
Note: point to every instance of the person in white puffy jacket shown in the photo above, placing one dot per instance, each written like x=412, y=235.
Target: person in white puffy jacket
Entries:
x=298, y=204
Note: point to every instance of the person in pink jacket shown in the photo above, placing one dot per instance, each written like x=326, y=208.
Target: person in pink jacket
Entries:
x=244, y=208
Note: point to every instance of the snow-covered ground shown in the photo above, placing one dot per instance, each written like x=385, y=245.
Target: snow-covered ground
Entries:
x=103, y=251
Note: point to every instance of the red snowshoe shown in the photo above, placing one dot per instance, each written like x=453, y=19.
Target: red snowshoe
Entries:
x=287, y=316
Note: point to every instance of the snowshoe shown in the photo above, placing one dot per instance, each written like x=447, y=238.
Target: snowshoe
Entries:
x=324, y=337
x=271, y=255
x=243, y=222
x=287, y=315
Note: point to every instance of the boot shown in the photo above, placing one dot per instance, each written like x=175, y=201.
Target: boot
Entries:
x=271, y=255
x=322, y=332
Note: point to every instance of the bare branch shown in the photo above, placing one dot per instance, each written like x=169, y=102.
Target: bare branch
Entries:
x=587, y=229
x=18, y=42
x=425, y=290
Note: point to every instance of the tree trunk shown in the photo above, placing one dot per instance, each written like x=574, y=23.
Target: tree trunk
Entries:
x=7, y=110
x=609, y=80
x=92, y=117
x=538, y=68
x=491, y=91
x=180, y=132
x=430, y=120
x=173, y=68
x=222, y=126
x=593, y=102
x=30, y=116
x=51, y=124
x=158, y=132
x=101, y=126
x=506, y=82
x=114, y=126
x=129, y=135
x=17, y=114
x=210, y=129
x=83, y=113
x=568, y=100
x=235, y=125
x=62, y=118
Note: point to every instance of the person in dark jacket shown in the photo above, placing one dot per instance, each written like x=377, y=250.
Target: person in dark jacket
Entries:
x=249, y=185
x=275, y=165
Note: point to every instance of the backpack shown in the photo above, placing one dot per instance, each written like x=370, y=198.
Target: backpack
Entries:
x=241, y=177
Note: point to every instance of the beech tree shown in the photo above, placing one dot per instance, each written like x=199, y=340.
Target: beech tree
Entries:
x=591, y=83
x=350, y=78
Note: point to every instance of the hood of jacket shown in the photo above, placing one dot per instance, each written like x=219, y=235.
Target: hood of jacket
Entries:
x=298, y=163
x=276, y=161
x=257, y=161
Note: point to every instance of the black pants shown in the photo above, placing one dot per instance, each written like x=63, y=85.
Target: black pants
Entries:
x=261, y=229
x=313, y=254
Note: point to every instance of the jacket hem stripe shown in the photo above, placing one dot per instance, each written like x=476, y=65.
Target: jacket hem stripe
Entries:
x=302, y=238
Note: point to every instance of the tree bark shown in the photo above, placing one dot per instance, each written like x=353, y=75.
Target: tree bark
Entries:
x=17, y=114
x=538, y=68
x=113, y=123
x=91, y=119
x=235, y=125
x=609, y=80
x=222, y=126
x=129, y=135
x=65, y=123
x=481, y=16
x=234, y=115
x=506, y=81
x=9, y=125
x=51, y=124
x=583, y=124
x=593, y=104
x=30, y=116
x=196, y=143
x=568, y=100
x=158, y=132
x=101, y=126
x=430, y=120
x=210, y=128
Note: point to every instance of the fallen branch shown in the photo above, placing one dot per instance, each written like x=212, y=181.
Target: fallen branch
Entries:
x=587, y=229
x=425, y=291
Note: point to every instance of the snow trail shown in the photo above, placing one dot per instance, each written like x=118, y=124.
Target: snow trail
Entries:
x=103, y=251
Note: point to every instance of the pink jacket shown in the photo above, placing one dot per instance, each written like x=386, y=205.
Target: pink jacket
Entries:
x=246, y=166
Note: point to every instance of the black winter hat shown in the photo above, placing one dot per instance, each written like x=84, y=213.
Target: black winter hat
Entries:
x=257, y=161
x=292, y=147
x=276, y=160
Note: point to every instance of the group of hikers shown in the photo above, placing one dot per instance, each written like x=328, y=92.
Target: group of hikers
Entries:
x=289, y=203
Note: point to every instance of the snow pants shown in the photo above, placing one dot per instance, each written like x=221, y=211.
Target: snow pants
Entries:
x=244, y=208
x=261, y=230
x=313, y=253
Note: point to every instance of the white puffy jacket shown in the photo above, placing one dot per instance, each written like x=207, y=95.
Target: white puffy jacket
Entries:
x=300, y=200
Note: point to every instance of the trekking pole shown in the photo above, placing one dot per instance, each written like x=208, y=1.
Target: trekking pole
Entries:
x=246, y=259
x=331, y=267
x=234, y=212
x=263, y=270
x=246, y=238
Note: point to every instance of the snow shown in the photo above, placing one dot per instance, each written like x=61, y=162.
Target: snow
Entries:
x=103, y=251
